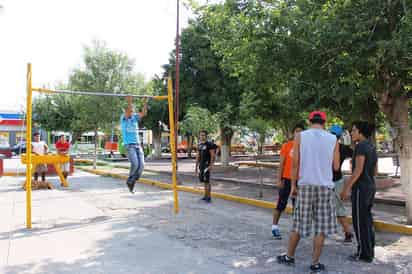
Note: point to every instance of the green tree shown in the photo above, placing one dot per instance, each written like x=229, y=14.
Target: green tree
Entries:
x=108, y=71
x=363, y=49
x=195, y=120
x=205, y=84
x=158, y=113
x=352, y=58
x=54, y=112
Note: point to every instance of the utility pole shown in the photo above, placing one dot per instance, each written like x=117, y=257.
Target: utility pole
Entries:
x=177, y=79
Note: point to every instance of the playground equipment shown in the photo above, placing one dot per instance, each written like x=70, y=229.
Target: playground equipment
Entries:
x=31, y=159
x=53, y=159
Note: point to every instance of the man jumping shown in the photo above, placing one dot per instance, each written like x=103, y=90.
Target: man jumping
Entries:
x=129, y=122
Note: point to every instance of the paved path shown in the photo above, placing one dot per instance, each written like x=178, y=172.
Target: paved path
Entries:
x=96, y=226
x=383, y=212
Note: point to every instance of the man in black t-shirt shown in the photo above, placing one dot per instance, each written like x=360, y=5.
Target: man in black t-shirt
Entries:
x=205, y=159
x=362, y=183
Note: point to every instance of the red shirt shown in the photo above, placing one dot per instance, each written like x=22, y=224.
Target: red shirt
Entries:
x=62, y=147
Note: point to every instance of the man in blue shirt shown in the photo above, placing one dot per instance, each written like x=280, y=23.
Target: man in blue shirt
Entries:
x=129, y=123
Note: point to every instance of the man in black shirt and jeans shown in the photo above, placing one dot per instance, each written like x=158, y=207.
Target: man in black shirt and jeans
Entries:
x=362, y=183
x=205, y=159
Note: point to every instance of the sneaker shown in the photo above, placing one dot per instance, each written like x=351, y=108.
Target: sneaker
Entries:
x=204, y=198
x=317, y=267
x=356, y=258
x=131, y=187
x=285, y=259
x=276, y=234
x=348, y=237
x=208, y=200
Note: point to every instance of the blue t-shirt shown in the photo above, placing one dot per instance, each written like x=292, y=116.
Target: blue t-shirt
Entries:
x=130, y=129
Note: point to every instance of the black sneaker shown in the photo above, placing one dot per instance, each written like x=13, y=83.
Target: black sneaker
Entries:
x=285, y=259
x=208, y=200
x=356, y=258
x=204, y=198
x=317, y=267
x=348, y=237
x=130, y=186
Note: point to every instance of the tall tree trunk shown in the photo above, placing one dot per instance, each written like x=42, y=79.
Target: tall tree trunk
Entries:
x=261, y=143
x=226, y=134
x=157, y=143
x=405, y=153
x=395, y=104
x=370, y=115
x=96, y=142
x=189, y=145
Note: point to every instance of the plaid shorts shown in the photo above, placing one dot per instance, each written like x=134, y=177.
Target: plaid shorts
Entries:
x=315, y=204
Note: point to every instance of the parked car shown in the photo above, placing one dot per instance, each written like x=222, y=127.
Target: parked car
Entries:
x=6, y=151
x=165, y=149
x=19, y=148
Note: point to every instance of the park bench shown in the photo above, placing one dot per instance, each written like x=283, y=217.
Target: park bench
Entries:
x=272, y=148
x=238, y=148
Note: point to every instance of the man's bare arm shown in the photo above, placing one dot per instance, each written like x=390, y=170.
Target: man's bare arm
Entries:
x=360, y=162
x=143, y=113
x=295, y=161
x=336, y=157
x=212, y=158
x=129, y=108
x=281, y=167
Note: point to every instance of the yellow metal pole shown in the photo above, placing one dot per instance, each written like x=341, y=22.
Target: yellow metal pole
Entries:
x=172, y=142
x=28, y=147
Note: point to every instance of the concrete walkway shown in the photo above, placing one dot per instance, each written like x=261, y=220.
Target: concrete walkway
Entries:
x=96, y=226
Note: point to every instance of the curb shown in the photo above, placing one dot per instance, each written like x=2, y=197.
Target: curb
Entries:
x=390, y=202
x=379, y=225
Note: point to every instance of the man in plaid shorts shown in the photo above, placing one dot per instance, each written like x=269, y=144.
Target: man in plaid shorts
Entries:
x=316, y=151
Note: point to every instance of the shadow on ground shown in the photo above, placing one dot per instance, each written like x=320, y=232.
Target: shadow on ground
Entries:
x=140, y=234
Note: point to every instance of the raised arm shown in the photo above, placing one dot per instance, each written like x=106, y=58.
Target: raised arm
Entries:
x=143, y=113
x=129, y=110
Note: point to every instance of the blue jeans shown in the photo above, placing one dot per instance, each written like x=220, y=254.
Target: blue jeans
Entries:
x=136, y=158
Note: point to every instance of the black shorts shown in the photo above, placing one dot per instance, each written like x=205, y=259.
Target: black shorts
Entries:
x=284, y=194
x=204, y=175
